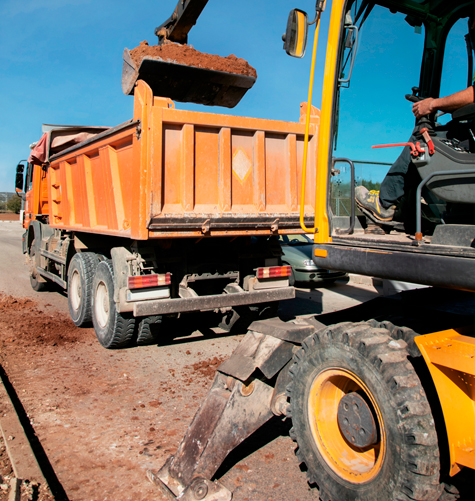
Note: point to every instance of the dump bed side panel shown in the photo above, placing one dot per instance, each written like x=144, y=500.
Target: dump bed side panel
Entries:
x=90, y=187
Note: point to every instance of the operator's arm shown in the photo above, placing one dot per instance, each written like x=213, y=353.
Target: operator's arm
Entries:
x=448, y=103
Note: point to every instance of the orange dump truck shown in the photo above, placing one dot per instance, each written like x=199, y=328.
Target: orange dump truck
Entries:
x=170, y=212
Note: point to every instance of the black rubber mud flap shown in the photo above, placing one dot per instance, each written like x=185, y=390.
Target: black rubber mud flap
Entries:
x=186, y=84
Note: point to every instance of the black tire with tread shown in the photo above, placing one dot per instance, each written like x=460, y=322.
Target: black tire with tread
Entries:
x=119, y=329
x=85, y=264
x=411, y=466
x=37, y=283
x=146, y=334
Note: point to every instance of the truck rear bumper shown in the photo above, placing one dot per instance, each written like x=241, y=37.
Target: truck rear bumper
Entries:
x=180, y=305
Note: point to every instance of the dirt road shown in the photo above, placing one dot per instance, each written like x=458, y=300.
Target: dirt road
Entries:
x=105, y=417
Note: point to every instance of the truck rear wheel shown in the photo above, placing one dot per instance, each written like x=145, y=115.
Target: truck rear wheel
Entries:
x=80, y=277
x=361, y=419
x=113, y=329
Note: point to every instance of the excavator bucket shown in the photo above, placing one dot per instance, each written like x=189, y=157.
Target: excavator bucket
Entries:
x=185, y=83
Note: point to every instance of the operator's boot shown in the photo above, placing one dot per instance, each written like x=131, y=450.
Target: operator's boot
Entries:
x=368, y=201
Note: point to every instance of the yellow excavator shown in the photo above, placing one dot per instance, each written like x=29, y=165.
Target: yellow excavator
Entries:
x=380, y=396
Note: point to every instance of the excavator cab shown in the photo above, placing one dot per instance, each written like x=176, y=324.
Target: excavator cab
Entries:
x=384, y=50
x=434, y=39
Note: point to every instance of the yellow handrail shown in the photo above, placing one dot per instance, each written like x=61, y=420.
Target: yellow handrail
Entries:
x=307, y=129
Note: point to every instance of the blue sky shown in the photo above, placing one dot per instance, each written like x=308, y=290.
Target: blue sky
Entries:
x=61, y=63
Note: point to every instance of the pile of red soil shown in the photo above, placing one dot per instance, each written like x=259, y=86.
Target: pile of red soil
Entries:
x=22, y=322
x=187, y=55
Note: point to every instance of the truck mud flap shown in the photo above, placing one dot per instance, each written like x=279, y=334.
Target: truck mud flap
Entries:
x=181, y=305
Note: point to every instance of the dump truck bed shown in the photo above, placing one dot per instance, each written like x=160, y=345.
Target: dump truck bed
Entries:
x=173, y=173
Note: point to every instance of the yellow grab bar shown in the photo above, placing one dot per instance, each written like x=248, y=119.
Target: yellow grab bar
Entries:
x=307, y=128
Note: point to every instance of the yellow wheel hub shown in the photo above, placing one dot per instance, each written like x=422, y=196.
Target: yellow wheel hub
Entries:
x=351, y=463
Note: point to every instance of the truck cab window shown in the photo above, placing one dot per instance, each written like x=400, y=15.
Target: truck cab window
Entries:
x=29, y=178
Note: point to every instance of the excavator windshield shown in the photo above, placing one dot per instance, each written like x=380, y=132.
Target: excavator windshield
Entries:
x=388, y=51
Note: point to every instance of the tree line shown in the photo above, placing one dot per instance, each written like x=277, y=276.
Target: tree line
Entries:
x=13, y=204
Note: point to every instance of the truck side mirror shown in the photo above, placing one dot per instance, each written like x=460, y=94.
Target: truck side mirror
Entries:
x=295, y=37
x=20, y=178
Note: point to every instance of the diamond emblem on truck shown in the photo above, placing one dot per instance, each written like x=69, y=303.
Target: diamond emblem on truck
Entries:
x=242, y=166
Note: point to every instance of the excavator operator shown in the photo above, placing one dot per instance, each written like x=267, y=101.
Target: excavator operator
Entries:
x=383, y=205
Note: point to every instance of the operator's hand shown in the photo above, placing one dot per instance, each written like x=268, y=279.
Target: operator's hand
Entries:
x=422, y=108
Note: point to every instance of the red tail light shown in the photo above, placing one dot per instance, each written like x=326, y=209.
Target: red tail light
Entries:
x=143, y=281
x=274, y=272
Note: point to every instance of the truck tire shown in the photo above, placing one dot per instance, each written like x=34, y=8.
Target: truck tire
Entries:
x=37, y=282
x=80, y=277
x=361, y=419
x=113, y=329
x=146, y=334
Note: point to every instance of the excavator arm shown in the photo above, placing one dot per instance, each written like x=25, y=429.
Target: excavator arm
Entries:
x=177, y=27
x=176, y=75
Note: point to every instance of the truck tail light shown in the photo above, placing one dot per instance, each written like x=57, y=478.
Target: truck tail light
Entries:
x=144, y=281
x=274, y=272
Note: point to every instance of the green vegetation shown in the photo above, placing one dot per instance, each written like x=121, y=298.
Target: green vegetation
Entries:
x=14, y=204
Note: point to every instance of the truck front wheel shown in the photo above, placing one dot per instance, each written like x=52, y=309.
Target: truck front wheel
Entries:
x=361, y=418
x=113, y=329
x=37, y=282
x=80, y=277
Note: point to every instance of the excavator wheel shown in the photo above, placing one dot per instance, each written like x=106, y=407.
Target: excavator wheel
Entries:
x=361, y=419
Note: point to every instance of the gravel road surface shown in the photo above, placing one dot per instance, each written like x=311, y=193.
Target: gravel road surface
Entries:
x=104, y=417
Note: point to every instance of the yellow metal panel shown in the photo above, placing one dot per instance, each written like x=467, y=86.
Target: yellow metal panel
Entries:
x=326, y=117
x=450, y=357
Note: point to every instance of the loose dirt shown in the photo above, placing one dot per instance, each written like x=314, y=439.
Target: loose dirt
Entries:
x=187, y=55
x=28, y=492
x=6, y=471
x=36, y=328
x=104, y=417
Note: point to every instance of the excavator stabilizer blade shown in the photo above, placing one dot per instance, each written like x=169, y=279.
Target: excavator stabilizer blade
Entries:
x=187, y=84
